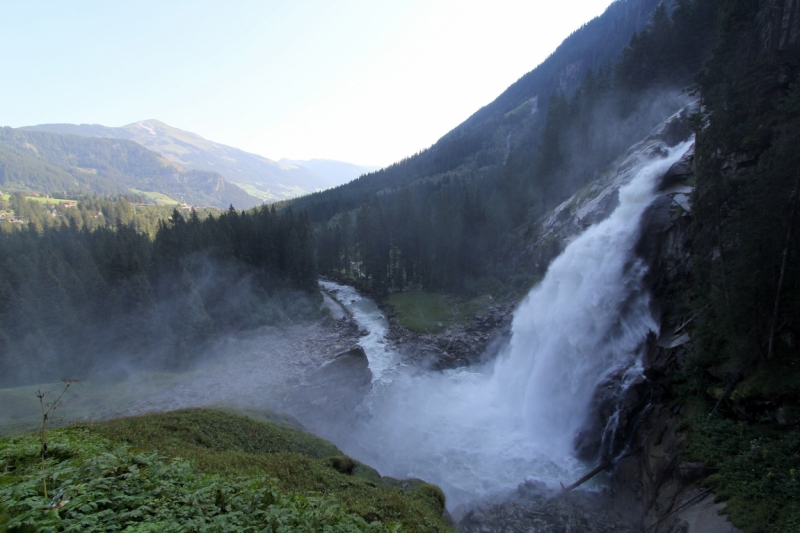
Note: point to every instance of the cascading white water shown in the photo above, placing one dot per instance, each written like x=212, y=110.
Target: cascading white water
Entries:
x=475, y=432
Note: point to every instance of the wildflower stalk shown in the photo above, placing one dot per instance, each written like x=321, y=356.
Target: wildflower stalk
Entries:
x=51, y=406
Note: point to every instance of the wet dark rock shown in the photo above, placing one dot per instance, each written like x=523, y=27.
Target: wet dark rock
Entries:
x=650, y=476
x=332, y=393
x=533, y=488
x=346, y=327
x=536, y=508
x=680, y=172
x=351, y=365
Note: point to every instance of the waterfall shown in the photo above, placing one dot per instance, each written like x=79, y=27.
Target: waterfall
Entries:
x=480, y=431
x=588, y=318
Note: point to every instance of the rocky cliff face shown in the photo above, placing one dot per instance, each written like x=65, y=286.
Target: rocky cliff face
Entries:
x=328, y=396
x=647, y=475
x=595, y=202
x=650, y=475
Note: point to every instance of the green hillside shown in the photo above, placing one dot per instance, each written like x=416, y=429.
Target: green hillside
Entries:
x=51, y=163
x=202, y=470
x=270, y=179
x=482, y=143
x=24, y=171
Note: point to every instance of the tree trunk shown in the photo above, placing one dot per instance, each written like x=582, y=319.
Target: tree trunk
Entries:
x=773, y=330
x=599, y=468
x=790, y=24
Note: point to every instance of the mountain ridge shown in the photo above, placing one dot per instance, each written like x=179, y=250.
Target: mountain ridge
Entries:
x=81, y=164
x=259, y=176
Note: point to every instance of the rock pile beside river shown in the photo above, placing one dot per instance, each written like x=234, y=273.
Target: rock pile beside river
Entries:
x=535, y=508
x=461, y=344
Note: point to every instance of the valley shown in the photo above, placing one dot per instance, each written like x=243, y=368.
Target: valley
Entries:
x=577, y=310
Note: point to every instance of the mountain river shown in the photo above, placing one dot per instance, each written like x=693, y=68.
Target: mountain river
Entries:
x=480, y=431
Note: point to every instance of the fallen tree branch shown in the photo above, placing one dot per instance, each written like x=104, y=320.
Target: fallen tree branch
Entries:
x=727, y=393
x=599, y=468
x=690, y=502
x=689, y=320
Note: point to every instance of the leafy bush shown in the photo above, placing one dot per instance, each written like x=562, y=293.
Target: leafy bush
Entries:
x=105, y=486
x=203, y=470
x=759, y=471
x=236, y=446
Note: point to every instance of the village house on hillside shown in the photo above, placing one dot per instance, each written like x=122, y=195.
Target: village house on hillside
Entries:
x=5, y=217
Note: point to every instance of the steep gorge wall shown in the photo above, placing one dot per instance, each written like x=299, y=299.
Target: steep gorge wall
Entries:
x=648, y=474
x=653, y=476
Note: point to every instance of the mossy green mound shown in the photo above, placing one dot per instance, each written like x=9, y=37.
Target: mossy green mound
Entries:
x=206, y=435
x=203, y=470
x=96, y=485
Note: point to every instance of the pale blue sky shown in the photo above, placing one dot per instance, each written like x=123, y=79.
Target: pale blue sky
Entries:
x=364, y=81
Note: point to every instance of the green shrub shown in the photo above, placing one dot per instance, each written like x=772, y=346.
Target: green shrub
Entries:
x=237, y=447
x=342, y=464
x=758, y=471
x=100, y=485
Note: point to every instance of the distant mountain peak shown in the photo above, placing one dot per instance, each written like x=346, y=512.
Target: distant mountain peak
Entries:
x=148, y=126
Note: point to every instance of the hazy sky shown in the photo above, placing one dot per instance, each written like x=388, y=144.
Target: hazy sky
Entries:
x=364, y=81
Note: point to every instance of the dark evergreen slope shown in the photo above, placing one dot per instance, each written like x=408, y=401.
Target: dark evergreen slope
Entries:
x=50, y=163
x=455, y=216
x=513, y=122
x=743, y=371
x=75, y=301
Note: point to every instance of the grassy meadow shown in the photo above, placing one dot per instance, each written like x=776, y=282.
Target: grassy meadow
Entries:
x=427, y=312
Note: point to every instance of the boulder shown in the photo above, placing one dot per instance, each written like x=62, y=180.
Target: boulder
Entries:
x=348, y=369
x=327, y=403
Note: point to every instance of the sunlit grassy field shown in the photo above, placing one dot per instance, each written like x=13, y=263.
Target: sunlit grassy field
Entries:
x=40, y=199
x=159, y=198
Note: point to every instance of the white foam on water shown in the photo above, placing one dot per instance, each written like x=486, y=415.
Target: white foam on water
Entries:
x=480, y=431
